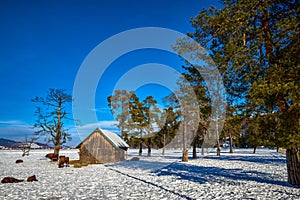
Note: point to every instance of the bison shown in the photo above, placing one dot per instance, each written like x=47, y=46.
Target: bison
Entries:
x=63, y=160
x=31, y=178
x=52, y=156
x=11, y=180
x=19, y=161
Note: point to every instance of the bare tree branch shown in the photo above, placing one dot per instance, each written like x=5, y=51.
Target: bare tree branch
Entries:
x=50, y=116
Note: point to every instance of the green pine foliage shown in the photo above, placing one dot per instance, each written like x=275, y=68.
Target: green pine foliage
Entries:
x=136, y=119
x=256, y=46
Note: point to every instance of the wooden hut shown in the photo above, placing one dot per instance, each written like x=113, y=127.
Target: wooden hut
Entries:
x=102, y=146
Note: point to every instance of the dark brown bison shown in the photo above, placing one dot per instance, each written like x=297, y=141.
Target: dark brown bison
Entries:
x=31, y=178
x=11, y=180
x=19, y=161
x=63, y=161
x=52, y=156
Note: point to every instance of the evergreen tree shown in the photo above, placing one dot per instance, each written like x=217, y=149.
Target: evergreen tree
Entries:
x=169, y=128
x=119, y=104
x=136, y=119
x=152, y=115
x=256, y=46
x=232, y=127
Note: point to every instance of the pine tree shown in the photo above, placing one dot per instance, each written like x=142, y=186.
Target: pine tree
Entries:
x=119, y=104
x=256, y=47
x=136, y=119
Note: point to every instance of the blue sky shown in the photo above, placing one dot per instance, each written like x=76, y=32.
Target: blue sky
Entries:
x=43, y=44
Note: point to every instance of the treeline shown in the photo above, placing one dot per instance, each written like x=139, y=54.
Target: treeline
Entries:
x=141, y=122
x=256, y=48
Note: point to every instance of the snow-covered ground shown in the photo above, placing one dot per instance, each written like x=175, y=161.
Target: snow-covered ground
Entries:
x=241, y=175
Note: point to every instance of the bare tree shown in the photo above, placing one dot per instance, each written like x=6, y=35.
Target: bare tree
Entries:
x=51, y=117
x=26, y=146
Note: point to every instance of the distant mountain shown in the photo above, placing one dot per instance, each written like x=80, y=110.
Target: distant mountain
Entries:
x=43, y=145
x=13, y=144
x=7, y=143
x=65, y=146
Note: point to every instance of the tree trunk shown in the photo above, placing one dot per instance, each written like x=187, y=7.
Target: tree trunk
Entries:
x=164, y=145
x=149, y=147
x=194, y=151
x=149, y=151
x=230, y=143
x=202, y=150
x=218, y=151
x=56, y=149
x=141, y=144
x=254, y=149
x=58, y=129
x=218, y=148
x=218, y=141
x=185, y=156
x=141, y=148
x=293, y=166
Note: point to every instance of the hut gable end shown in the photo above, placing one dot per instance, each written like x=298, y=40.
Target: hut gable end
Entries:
x=102, y=147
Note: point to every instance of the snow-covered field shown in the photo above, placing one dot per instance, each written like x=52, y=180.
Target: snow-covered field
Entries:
x=241, y=175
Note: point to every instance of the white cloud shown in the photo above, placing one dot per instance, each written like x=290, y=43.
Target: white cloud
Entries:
x=17, y=133
x=108, y=124
x=100, y=110
x=101, y=124
x=7, y=123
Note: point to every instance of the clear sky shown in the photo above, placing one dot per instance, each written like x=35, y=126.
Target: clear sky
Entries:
x=44, y=42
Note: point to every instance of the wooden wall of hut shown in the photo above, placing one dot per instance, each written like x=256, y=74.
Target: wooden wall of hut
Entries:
x=96, y=149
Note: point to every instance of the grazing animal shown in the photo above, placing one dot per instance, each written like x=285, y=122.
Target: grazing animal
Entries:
x=31, y=178
x=19, y=161
x=11, y=180
x=52, y=156
x=62, y=161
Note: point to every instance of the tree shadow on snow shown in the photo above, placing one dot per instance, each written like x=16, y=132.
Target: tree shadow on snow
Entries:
x=145, y=165
x=255, y=159
x=202, y=175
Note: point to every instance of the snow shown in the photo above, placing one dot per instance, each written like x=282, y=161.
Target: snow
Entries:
x=35, y=146
x=241, y=175
x=114, y=138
